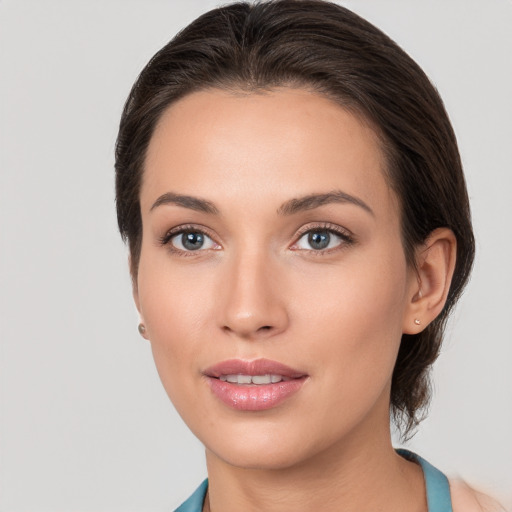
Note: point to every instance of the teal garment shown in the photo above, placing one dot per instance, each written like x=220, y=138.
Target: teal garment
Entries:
x=436, y=484
x=195, y=502
x=437, y=487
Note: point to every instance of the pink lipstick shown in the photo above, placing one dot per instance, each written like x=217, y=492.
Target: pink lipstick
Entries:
x=253, y=385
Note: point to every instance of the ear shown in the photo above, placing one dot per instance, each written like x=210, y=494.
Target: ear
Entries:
x=135, y=295
x=435, y=263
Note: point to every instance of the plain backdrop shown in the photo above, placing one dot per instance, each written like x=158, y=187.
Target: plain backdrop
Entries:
x=84, y=423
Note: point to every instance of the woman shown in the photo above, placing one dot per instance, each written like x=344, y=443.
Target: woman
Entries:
x=292, y=194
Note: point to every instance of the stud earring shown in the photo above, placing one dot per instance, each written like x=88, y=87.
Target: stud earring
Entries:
x=416, y=321
x=142, y=329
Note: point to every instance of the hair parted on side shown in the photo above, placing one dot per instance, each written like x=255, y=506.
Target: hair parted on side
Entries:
x=325, y=48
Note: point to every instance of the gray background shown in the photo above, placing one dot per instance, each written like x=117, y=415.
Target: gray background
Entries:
x=84, y=422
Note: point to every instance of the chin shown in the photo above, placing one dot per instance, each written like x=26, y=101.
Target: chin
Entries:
x=258, y=459
x=255, y=447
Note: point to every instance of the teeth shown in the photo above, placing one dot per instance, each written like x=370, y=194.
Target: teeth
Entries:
x=252, y=379
x=262, y=379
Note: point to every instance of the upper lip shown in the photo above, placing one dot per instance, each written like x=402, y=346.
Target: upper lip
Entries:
x=255, y=367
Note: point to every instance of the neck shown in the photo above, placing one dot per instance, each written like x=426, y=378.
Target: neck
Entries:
x=359, y=474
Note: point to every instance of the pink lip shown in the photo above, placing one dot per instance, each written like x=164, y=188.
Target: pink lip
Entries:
x=252, y=397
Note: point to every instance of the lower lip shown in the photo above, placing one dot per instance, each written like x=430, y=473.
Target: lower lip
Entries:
x=254, y=397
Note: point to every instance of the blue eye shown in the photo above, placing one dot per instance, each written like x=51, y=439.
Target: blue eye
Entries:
x=320, y=239
x=191, y=241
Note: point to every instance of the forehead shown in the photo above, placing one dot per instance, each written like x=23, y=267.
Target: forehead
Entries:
x=279, y=144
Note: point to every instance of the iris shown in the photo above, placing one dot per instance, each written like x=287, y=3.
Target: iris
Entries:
x=319, y=239
x=192, y=241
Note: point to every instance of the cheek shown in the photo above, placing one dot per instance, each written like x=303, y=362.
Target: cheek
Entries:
x=173, y=297
x=176, y=307
x=355, y=321
x=364, y=295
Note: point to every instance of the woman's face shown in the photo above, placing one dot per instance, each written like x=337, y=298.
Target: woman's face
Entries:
x=272, y=278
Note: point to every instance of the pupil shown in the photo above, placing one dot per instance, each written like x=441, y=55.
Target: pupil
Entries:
x=192, y=241
x=319, y=239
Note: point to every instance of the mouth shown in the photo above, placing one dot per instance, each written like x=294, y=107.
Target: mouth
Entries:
x=253, y=385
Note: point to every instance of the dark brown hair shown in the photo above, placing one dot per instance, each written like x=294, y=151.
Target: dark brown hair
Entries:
x=325, y=48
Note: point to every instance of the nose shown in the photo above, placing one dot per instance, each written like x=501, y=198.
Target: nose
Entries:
x=252, y=299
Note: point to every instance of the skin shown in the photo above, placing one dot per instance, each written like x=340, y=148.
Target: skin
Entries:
x=257, y=289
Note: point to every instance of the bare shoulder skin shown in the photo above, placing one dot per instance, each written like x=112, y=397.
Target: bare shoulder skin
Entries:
x=467, y=499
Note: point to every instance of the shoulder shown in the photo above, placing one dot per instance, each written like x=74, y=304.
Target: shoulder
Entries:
x=467, y=499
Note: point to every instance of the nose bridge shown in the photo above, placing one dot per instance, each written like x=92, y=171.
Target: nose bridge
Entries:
x=252, y=304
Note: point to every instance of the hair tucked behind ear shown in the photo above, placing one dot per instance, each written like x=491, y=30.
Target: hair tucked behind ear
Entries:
x=326, y=48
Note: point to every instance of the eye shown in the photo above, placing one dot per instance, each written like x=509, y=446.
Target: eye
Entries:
x=318, y=240
x=191, y=241
x=321, y=239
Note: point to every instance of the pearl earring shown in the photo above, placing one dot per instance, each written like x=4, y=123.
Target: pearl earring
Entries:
x=142, y=329
x=416, y=321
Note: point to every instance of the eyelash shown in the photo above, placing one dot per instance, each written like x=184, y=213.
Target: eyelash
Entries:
x=346, y=237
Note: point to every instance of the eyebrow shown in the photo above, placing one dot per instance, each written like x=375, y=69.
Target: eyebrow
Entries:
x=190, y=202
x=290, y=207
x=312, y=201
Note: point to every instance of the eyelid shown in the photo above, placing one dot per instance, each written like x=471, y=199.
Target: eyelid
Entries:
x=327, y=226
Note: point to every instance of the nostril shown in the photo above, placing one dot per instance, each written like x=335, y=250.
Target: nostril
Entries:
x=246, y=332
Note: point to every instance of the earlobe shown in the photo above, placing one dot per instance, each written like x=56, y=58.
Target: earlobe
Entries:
x=435, y=263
